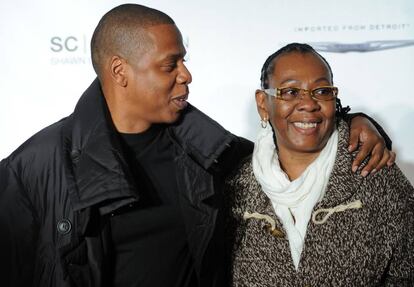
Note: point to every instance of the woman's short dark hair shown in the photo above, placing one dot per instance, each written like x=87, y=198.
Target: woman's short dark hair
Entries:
x=269, y=65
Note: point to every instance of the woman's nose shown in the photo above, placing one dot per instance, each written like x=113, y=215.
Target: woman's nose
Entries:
x=307, y=103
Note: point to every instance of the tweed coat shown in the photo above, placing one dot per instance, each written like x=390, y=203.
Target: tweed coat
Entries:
x=369, y=246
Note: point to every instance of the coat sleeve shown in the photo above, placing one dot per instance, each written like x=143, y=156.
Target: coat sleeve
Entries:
x=401, y=267
x=18, y=231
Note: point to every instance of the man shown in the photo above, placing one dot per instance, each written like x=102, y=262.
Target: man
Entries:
x=126, y=191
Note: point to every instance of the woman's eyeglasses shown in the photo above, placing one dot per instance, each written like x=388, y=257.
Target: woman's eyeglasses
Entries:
x=325, y=93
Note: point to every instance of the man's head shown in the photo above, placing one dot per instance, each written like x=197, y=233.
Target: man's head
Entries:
x=138, y=55
x=121, y=31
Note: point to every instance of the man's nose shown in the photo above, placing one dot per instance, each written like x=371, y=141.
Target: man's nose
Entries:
x=184, y=75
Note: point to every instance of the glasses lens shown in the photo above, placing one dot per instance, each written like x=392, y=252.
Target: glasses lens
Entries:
x=324, y=93
x=289, y=94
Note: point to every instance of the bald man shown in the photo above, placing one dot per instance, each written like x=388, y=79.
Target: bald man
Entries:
x=126, y=191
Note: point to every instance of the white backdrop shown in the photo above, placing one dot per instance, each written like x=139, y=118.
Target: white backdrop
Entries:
x=45, y=63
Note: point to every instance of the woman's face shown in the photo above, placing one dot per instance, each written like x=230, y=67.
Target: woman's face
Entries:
x=304, y=124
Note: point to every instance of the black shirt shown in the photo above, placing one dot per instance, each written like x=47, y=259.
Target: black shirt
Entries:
x=149, y=237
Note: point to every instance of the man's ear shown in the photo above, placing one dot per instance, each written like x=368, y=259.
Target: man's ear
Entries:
x=118, y=70
x=261, y=99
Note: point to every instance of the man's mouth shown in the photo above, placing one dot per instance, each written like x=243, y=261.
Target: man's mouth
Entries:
x=181, y=101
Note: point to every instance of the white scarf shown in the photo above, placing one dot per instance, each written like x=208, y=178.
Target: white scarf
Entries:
x=298, y=197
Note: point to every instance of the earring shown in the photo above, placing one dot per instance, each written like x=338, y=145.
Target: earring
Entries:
x=263, y=123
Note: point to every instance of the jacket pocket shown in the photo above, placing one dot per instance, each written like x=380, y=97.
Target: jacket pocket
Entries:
x=77, y=266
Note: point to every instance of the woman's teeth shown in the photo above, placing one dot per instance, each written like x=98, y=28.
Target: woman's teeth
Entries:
x=305, y=125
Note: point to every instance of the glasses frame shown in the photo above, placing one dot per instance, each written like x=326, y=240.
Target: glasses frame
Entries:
x=275, y=92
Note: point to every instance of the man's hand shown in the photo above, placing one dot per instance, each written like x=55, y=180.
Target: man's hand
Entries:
x=365, y=137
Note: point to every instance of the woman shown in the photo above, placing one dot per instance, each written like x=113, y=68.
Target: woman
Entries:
x=298, y=215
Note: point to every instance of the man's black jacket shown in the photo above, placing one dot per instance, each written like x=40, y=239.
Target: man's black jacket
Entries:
x=57, y=189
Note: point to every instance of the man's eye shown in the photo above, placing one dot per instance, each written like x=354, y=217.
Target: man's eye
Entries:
x=169, y=67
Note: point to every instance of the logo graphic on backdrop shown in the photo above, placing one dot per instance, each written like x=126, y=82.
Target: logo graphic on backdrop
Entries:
x=368, y=46
x=69, y=50
x=75, y=49
x=354, y=28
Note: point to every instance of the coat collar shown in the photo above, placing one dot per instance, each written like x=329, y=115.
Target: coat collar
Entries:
x=97, y=171
x=336, y=192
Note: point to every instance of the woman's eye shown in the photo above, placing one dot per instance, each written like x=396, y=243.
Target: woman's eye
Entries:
x=290, y=92
x=323, y=92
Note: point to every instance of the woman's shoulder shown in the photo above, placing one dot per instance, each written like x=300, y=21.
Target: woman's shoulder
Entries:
x=387, y=190
x=241, y=186
x=243, y=170
x=243, y=178
x=387, y=184
x=391, y=184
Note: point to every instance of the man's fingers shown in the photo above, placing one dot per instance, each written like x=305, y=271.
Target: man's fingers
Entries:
x=353, y=140
x=385, y=157
x=376, y=156
x=362, y=154
x=392, y=158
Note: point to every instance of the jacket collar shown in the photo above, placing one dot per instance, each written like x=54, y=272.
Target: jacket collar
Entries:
x=201, y=137
x=97, y=164
x=98, y=173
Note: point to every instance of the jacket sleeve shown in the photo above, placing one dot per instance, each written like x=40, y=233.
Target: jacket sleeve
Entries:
x=18, y=231
x=349, y=116
x=401, y=267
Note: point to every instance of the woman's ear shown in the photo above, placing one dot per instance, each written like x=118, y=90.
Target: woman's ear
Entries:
x=118, y=70
x=262, y=109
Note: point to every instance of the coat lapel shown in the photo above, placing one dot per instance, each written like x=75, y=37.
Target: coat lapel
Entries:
x=96, y=165
x=342, y=184
x=342, y=187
